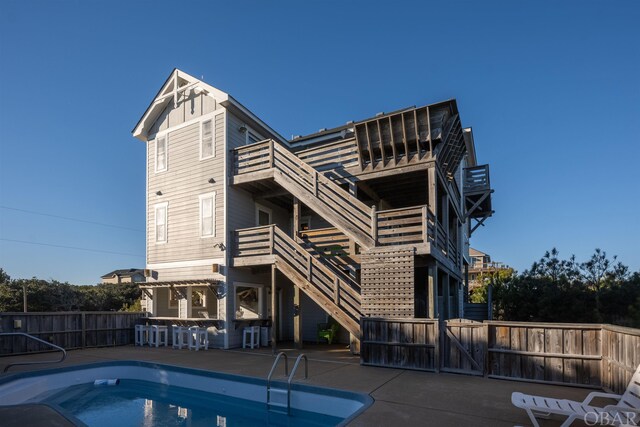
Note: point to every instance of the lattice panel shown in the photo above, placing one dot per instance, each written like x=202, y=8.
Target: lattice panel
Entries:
x=387, y=283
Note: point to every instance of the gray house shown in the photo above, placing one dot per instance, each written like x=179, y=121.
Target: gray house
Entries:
x=370, y=219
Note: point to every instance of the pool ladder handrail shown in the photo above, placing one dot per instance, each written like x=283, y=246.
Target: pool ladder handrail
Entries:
x=293, y=373
x=273, y=368
x=64, y=352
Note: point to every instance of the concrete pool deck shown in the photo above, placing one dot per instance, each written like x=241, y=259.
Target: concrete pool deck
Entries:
x=402, y=397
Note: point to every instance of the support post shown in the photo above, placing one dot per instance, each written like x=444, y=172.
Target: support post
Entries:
x=432, y=191
x=296, y=217
x=433, y=291
x=374, y=224
x=271, y=153
x=274, y=348
x=446, y=289
x=425, y=225
x=297, y=318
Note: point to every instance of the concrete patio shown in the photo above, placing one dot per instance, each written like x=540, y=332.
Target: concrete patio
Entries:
x=402, y=397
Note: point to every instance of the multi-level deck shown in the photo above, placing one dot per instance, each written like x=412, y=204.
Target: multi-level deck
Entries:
x=394, y=191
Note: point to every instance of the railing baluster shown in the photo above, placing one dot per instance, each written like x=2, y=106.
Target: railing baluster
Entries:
x=336, y=290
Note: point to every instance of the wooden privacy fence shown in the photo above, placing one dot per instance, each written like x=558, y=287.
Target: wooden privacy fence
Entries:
x=69, y=330
x=587, y=355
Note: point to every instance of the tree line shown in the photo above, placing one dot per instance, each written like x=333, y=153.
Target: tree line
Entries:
x=598, y=290
x=44, y=295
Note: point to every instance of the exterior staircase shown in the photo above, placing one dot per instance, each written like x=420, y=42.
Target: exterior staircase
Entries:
x=312, y=188
x=337, y=294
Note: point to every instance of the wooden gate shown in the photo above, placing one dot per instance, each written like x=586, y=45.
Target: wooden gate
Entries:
x=463, y=346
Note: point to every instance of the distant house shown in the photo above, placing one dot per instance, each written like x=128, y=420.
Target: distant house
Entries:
x=481, y=264
x=127, y=275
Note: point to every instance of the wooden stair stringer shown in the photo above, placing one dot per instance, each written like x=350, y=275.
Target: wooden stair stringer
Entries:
x=321, y=207
x=316, y=296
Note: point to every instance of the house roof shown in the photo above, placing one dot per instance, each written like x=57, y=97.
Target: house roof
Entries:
x=127, y=272
x=475, y=252
x=179, y=81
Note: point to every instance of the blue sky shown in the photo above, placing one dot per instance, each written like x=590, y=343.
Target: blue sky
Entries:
x=551, y=89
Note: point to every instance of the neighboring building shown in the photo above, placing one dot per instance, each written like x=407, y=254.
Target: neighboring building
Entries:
x=127, y=275
x=372, y=218
x=481, y=264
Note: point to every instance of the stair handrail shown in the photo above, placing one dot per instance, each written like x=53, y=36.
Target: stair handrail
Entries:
x=64, y=352
x=293, y=373
x=275, y=364
x=273, y=368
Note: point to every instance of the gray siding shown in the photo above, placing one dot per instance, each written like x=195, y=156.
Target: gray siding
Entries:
x=185, y=179
x=188, y=108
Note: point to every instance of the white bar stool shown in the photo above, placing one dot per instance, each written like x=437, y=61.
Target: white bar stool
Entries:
x=198, y=338
x=159, y=335
x=254, y=336
x=179, y=336
x=142, y=334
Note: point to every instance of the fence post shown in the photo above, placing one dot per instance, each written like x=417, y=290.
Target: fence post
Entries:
x=436, y=352
x=83, y=321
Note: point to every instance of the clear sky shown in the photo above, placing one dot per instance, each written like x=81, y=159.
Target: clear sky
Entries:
x=551, y=89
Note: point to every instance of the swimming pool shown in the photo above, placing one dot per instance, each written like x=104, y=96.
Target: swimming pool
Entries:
x=151, y=394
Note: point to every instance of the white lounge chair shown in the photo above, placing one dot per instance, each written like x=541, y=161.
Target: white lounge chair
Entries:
x=625, y=412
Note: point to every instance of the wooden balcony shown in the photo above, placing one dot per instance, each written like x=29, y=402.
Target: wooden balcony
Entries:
x=477, y=193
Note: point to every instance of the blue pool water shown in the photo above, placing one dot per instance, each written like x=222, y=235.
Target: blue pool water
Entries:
x=142, y=403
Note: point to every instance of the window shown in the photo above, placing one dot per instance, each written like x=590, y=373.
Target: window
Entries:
x=263, y=215
x=206, y=140
x=207, y=215
x=251, y=301
x=173, y=298
x=161, y=222
x=198, y=298
x=161, y=153
x=252, y=137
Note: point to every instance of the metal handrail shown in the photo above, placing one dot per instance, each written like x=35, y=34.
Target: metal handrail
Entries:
x=293, y=373
x=64, y=352
x=273, y=368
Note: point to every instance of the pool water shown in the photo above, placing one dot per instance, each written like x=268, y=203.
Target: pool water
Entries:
x=142, y=403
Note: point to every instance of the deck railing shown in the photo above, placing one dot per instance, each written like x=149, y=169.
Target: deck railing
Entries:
x=308, y=184
x=412, y=225
x=476, y=179
x=342, y=153
x=270, y=240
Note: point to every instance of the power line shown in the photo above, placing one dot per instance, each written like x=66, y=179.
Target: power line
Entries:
x=72, y=219
x=69, y=247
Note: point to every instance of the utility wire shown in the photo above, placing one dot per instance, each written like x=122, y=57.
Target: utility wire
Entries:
x=71, y=219
x=70, y=247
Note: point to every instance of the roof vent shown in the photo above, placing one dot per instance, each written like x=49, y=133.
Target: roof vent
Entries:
x=322, y=130
x=350, y=122
x=295, y=136
x=381, y=113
